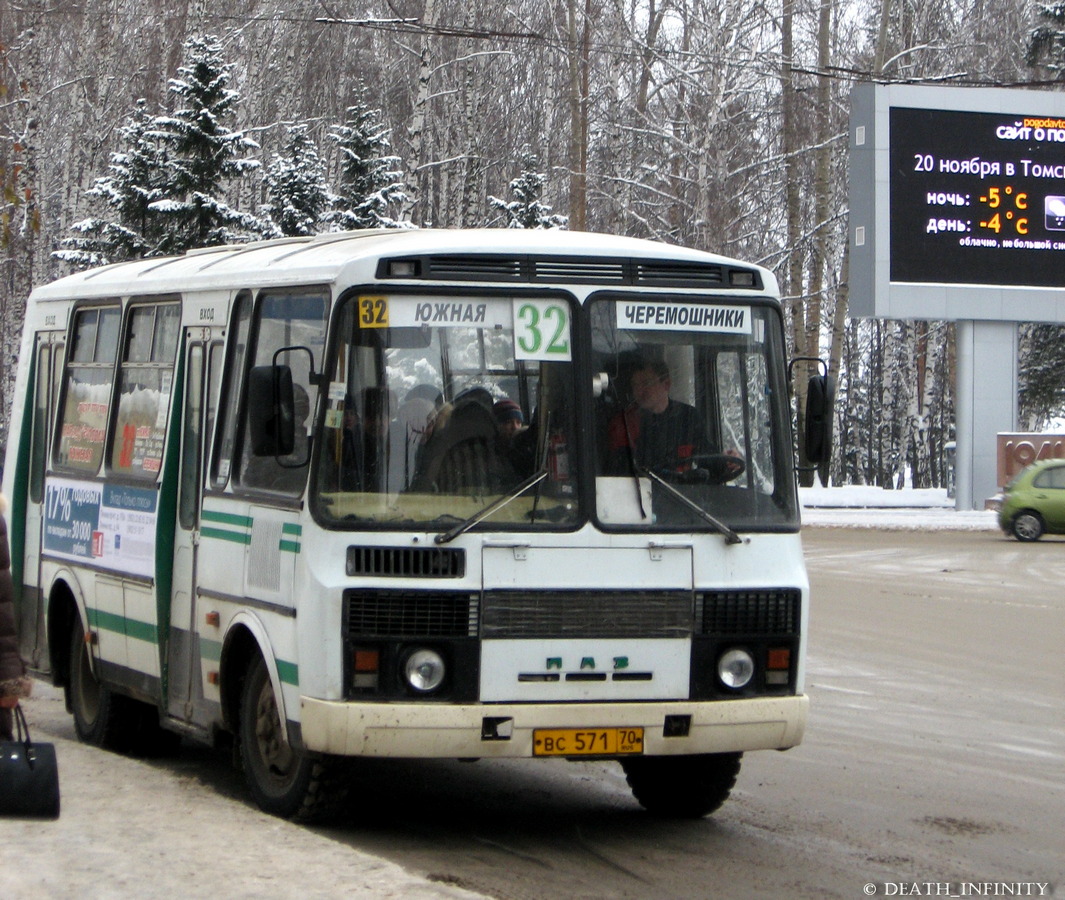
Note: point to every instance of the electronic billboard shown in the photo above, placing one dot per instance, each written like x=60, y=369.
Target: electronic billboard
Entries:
x=957, y=203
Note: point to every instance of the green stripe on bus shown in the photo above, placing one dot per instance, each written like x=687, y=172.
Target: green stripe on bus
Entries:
x=221, y=534
x=288, y=672
x=294, y=532
x=224, y=518
x=107, y=621
x=210, y=650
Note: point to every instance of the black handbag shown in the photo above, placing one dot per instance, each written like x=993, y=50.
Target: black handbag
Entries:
x=29, y=775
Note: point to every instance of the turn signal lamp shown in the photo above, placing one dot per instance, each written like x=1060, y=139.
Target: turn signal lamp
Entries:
x=367, y=660
x=777, y=664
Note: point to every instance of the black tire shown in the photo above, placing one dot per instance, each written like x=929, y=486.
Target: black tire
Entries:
x=283, y=780
x=101, y=717
x=1028, y=526
x=106, y=719
x=682, y=787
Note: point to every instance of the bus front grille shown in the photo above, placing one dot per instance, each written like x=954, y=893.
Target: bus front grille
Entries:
x=753, y=613
x=591, y=614
x=394, y=614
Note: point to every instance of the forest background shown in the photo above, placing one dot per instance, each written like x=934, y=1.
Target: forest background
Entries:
x=140, y=128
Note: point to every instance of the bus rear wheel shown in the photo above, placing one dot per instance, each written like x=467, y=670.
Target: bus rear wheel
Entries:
x=283, y=780
x=682, y=787
x=101, y=717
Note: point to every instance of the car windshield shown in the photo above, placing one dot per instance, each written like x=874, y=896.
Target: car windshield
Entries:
x=693, y=416
x=438, y=406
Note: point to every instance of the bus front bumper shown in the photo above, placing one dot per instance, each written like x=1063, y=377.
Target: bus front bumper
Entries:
x=424, y=730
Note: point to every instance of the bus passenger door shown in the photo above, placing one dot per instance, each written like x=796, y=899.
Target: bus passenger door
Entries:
x=48, y=367
x=202, y=370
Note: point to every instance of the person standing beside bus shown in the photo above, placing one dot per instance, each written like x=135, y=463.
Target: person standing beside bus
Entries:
x=14, y=683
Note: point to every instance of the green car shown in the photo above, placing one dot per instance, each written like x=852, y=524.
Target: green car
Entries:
x=1033, y=504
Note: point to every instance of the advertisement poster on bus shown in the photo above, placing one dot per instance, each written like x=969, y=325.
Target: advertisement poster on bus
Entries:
x=105, y=525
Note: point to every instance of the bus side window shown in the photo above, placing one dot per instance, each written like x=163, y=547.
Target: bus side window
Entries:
x=293, y=321
x=192, y=440
x=145, y=386
x=225, y=434
x=90, y=373
x=42, y=408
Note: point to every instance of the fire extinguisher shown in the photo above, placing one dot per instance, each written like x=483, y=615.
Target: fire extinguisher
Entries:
x=558, y=457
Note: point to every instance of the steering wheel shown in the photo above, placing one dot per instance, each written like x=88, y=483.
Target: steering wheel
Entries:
x=713, y=468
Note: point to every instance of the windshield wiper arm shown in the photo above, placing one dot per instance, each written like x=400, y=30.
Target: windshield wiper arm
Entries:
x=731, y=537
x=478, y=517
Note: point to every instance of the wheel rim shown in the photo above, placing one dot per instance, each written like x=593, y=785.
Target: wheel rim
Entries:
x=274, y=752
x=1027, y=527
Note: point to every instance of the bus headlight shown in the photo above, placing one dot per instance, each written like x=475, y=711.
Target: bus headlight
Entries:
x=424, y=670
x=735, y=668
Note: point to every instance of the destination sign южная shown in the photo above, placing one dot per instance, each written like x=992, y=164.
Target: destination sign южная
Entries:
x=683, y=317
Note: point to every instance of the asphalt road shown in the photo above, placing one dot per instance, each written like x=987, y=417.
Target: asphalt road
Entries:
x=934, y=759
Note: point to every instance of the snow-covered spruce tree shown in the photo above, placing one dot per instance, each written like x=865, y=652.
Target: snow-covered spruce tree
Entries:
x=296, y=186
x=203, y=154
x=1041, y=348
x=125, y=228
x=370, y=191
x=1046, y=43
x=526, y=209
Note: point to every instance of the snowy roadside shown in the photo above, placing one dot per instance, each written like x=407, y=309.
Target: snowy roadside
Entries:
x=854, y=506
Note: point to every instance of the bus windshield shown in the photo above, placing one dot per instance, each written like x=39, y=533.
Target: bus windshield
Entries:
x=438, y=406
x=693, y=421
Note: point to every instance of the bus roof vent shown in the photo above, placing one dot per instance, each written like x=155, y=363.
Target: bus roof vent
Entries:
x=474, y=268
x=598, y=271
x=654, y=273
x=406, y=562
x=663, y=273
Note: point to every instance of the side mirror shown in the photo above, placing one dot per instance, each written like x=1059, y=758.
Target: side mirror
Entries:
x=271, y=411
x=820, y=397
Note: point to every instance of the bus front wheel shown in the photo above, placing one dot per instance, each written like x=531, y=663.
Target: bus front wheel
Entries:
x=283, y=780
x=682, y=787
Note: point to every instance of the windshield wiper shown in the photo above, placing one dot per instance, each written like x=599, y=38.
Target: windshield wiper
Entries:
x=731, y=537
x=478, y=517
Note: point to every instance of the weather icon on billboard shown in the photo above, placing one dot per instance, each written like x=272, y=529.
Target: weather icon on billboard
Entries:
x=1054, y=207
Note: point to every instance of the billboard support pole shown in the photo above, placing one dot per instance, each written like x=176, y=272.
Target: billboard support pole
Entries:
x=985, y=404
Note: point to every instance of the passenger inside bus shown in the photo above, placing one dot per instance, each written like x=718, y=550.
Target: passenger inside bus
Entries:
x=462, y=454
x=510, y=420
x=413, y=426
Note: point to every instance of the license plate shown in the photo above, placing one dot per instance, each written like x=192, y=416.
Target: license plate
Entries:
x=587, y=741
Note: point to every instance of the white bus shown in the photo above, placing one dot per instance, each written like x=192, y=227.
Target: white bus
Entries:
x=463, y=494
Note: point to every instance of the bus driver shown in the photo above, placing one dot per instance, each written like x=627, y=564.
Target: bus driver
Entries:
x=660, y=433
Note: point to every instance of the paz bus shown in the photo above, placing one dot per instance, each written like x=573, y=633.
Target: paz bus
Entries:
x=398, y=494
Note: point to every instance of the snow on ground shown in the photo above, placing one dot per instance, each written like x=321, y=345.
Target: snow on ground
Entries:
x=855, y=506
